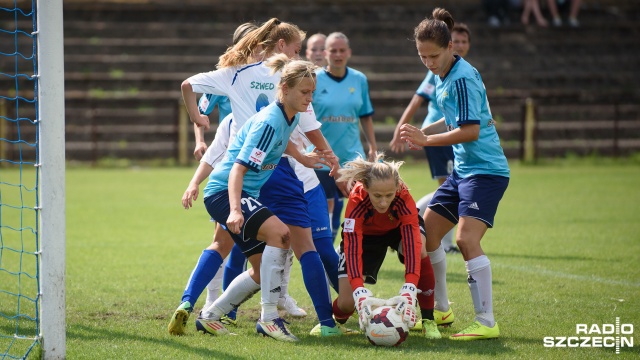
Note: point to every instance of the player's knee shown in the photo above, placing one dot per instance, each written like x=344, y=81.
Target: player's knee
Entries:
x=285, y=239
x=282, y=235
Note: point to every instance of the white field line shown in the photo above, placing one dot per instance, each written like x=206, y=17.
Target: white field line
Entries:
x=559, y=274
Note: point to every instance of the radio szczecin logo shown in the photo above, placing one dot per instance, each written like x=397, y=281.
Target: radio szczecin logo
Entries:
x=595, y=336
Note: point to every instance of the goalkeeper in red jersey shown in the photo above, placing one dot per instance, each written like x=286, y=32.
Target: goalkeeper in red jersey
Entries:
x=381, y=213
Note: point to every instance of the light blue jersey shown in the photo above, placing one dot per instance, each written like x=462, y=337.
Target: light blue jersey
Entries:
x=427, y=90
x=258, y=145
x=339, y=104
x=462, y=98
x=208, y=102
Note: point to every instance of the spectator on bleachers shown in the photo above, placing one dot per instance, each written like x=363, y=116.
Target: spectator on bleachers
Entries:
x=532, y=6
x=573, y=11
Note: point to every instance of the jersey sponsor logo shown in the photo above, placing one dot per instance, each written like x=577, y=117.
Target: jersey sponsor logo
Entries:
x=269, y=166
x=349, y=225
x=204, y=104
x=261, y=102
x=262, y=86
x=339, y=119
x=257, y=156
x=428, y=89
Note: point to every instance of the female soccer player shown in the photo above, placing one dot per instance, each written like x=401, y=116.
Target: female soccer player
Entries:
x=249, y=88
x=470, y=195
x=381, y=213
x=232, y=191
x=440, y=158
x=208, y=102
x=212, y=257
x=341, y=103
x=315, y=49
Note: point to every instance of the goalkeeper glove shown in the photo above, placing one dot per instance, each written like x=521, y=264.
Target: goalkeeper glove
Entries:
x=405, y=303
x=365, y=302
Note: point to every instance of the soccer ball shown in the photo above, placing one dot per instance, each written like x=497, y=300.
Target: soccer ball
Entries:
x=386, y=327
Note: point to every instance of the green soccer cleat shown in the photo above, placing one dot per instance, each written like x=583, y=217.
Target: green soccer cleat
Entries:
x=338, y=330
x=477, y=331
x=443, y=318
x=178, y=322
x=325, y=331
x=212, y=327
x=276, y=329
x=225, y=319
x=430, y=329
x=417, y=326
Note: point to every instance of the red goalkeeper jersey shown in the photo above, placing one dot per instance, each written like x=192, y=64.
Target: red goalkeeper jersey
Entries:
x=362, y=219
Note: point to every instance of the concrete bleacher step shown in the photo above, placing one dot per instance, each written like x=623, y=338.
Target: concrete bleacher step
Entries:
x=124, y=63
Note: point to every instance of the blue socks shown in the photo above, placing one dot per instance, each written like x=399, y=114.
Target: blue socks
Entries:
x=338, y=203
x=202, y=274
x=316, y=283
x=329, y=258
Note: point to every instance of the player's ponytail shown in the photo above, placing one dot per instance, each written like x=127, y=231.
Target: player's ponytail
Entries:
x=367, y=172
x=261, y=41
x=242, y=31
x=437, y=29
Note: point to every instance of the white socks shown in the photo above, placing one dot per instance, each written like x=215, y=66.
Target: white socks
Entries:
x=439, y=263
x=479, y=270
x=213, y=288
x=240, y=290
x=271, y=273
x=287, y=273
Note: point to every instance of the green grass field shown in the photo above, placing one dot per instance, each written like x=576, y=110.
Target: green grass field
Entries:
x=565, y=250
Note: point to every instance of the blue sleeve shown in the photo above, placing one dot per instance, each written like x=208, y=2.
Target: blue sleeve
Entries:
x=468, y=100
x=367, y=108
x=427, y=89
x=208, y=102
x=258, y=143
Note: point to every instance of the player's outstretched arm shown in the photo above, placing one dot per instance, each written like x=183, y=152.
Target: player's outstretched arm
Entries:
x=191, y=194
x=201, y=145
x=320, y=142
x=313, y=160
x=191, y=103
x=396, y=144
x=236, y=178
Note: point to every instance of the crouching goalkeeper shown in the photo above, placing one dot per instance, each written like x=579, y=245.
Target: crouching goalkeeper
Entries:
x=381, y=213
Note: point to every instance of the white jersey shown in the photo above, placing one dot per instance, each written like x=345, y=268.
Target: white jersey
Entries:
x=215, y=152
x=249, y=88
x=306, y=175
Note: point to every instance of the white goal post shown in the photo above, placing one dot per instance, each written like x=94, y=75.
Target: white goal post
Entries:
x=51, y=163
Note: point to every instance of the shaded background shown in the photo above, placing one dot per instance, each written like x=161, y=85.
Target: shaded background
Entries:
x=125, y=60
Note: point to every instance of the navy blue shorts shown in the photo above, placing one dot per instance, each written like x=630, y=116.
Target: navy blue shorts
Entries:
x=318, y=212
x=440, y=160
x=476, y=196
x=328, y=184
x=255, y=214
x=283, y=194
